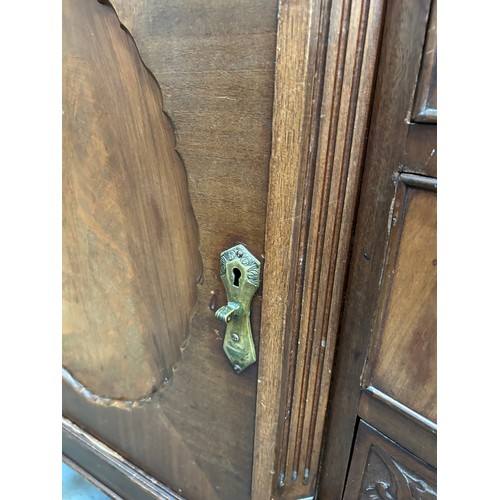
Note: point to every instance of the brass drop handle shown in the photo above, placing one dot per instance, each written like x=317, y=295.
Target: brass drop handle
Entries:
x=240, y=273
x=226, y=313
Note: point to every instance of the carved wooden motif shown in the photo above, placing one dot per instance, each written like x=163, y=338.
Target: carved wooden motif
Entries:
x=320, y=130
x=382, y=470
x=386, y=479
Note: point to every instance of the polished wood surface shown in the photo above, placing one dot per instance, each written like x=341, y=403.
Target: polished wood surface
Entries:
x=387, y=157
x=176, y=165
x=210, y=68
x=382, y=469
x=317, y=154
x=403, y=358
x=214, y=63
x=131, y=257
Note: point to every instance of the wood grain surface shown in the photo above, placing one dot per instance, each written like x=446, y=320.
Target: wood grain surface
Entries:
x=131, y=258
x=403, y=39
x=409, y=429
x=214, y=65
x=403, y=358
x=319, y=132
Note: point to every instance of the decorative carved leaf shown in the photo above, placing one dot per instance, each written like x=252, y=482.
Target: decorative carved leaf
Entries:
x=387, y=479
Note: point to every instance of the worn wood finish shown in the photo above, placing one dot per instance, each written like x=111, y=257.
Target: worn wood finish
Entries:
x=382, y=469
x=402, y=47
x=101, y=463
x=130, y=239
x=403, y=357
x=214, y=65
x=307, y=238
x=420, y=154
x=400, y=423
x=297, y=54
x=425, y=107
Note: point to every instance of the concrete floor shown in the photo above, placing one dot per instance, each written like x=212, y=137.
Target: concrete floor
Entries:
x=75, y=487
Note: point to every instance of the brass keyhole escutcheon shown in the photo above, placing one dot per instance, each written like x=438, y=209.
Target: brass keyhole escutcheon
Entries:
x=240, y=273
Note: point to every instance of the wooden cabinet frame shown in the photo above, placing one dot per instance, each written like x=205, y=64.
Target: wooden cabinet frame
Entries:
x=325, y=71
x=326, y=63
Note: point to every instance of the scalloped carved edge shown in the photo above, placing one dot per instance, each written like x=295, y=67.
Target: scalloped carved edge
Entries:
x=68, y=378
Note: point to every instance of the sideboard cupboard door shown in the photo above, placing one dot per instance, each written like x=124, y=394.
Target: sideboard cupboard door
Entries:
x=166, y=138
x=190, y=127
x=385, y=374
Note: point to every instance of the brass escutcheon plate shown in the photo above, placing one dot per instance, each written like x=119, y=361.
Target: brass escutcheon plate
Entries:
x=240, y=273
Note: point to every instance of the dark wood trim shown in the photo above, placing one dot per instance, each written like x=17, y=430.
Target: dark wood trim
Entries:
x=425, y=106
x=325, y=70
x=395, y=405
x=402, y=44
x=410, y=432
x=109, y=468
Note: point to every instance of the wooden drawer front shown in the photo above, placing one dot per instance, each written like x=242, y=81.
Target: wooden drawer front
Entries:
x=380, y=469
x=402, y=361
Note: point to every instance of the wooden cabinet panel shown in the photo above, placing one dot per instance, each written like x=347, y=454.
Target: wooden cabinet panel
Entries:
x=402, y=360
x=380, y=469
x=131, y=244
x=167, y=137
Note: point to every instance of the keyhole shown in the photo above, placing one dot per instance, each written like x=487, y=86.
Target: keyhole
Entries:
x=237, y=276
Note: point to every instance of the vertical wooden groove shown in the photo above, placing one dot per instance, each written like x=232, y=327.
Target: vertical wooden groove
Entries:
x=296, y=57
x=309, y=227
x=320, y=54
x=339, y=216
x=314, y=261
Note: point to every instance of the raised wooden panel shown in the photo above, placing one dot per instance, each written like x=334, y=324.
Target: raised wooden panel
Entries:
x=425, y=106
x=131, y=246
x=210, y=67
x=380, y=469
x=402, y=361
x=214, y=62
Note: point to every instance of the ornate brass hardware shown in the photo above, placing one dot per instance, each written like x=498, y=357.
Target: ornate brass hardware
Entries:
x=240, y=273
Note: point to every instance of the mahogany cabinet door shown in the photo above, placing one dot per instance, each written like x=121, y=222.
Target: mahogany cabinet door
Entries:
x=167, y=112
